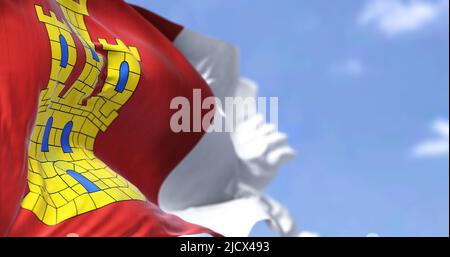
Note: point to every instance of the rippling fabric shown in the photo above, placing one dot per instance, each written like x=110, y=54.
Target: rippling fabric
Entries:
x=85, y=138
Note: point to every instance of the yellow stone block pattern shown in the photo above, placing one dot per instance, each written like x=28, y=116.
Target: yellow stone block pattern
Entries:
x=64, y=176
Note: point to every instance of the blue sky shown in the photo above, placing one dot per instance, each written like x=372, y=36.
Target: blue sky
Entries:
x=363, y=88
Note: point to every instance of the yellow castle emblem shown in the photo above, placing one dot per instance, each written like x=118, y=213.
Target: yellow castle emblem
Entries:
x=64, y=176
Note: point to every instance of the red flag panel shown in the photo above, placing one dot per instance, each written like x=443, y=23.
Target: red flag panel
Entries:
x=85, y=119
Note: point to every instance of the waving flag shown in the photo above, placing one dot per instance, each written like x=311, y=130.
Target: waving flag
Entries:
x=86, y=146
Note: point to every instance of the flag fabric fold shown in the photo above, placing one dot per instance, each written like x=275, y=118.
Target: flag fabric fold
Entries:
x=227, y=172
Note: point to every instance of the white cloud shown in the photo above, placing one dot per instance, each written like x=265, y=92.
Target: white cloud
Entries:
x=308, y=234
x=437, y=146
x=393, y=17
x=352, y=67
